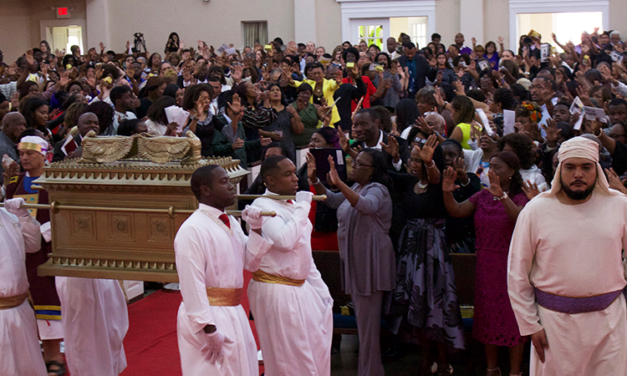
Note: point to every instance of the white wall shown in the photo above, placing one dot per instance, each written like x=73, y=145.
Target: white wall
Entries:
x=328, y=24
x=14, y=29
x=215, y=22
x=447, y=18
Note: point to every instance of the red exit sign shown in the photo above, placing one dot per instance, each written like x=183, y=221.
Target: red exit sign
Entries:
x=63, y=12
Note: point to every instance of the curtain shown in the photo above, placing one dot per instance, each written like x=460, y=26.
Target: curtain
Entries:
x=255, y=32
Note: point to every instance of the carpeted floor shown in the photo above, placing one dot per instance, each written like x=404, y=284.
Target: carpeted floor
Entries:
x=150, y=344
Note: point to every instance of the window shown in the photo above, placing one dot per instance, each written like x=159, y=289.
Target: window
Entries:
x=255, y=32
x=416, y=27
x=371, y=34
x=419, y=33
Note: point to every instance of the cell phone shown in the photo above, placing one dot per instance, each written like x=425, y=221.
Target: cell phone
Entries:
x=379, y=68
x=108, y=80
x=350, y=65
x=267, y=47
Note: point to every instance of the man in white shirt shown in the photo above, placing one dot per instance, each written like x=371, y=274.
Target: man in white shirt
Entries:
x=565, y=270
x=291, y=304
x=122, y=99
x=19, y=344
x=217, y=90
x=214, y=335
x=367, y=132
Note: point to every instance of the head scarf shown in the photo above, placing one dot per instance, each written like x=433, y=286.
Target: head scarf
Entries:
x=330, y=136
x=581, y=147
x=35, y=143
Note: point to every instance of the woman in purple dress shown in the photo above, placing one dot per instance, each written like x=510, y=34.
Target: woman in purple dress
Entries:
x=495, y=211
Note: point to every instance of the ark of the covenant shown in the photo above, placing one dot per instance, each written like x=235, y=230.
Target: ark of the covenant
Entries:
x=115, y=211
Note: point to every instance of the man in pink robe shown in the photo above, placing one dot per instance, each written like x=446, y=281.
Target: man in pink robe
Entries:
x=566, y=273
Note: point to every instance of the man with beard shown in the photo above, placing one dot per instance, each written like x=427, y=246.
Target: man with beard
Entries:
x=564, y=284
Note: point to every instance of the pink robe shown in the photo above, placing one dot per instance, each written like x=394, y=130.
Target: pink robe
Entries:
x=572, y=251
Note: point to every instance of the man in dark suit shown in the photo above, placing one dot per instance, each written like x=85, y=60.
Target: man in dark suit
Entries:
x=418, y=68
x=368, y=134
x=71, y=147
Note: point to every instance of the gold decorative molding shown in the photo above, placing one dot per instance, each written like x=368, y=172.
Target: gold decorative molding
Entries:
x=117, y=218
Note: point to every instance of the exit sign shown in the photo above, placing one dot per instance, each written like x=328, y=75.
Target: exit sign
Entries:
x=63, y=12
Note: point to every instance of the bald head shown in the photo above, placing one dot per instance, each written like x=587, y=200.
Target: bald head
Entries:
x=13, y=124
x=391, y=44
x=88, y=122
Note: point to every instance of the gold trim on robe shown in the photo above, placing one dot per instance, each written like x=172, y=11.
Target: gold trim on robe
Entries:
x=261, y=276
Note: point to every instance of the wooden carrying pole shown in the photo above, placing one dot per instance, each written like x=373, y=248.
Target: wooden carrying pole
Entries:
x=171, y=211
x=279, y=197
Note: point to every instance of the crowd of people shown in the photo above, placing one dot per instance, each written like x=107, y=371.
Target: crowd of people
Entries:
x=447, y=144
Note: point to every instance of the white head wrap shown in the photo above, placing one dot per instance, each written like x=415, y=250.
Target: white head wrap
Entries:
x=35, y=143
x=581, y=147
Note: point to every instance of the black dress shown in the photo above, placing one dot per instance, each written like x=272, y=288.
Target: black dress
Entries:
x=460, y=232
x=425, y=292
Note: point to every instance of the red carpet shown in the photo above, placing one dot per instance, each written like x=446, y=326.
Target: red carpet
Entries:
x=150, y=344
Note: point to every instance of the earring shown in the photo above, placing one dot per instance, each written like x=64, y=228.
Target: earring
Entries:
x=510, y=178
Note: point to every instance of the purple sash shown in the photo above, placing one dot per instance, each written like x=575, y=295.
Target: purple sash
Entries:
x=565, y=304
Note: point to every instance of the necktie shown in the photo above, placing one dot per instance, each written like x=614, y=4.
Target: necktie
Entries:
x=225, y=218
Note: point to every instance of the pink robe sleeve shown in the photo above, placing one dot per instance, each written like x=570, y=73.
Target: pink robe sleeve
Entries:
x=519, y=264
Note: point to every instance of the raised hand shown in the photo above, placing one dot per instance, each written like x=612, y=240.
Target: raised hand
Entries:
x=29, y=57
x=614, y=180
x=236, y=106
x=15, y=100
x=344, y=144
x=460, y=169
x=426, y=153
x=596, y=126
x=438, y=98
x=552, y=132
x=433, y=62
x=391, y=147
x=475, y=130
x=448, y=180
x=311, y=167
x=495, y=184
x=333, y=175
x=531, y=189
x=238, y=71
x=424, y=126
x=64, y=78
x=459, y=87
x=102, y=47
x=500, y=40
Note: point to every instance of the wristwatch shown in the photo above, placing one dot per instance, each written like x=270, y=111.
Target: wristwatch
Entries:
x=502, y=197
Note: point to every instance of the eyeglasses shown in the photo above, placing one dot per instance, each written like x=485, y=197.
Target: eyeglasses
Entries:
x=355, y=163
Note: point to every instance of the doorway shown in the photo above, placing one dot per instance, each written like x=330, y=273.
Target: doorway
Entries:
x=64, y=37
x=371, y=30
x=415, y=27
x=63, y=34
x=566, y=26
x=566, y=18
